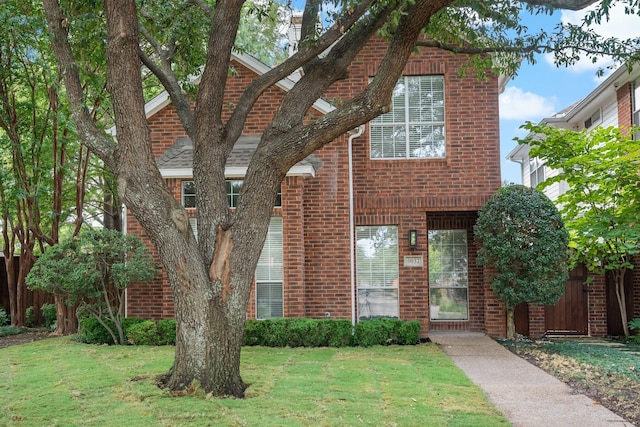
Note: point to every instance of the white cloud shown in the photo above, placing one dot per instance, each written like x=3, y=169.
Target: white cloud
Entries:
x=619, y=25
x=516, y=104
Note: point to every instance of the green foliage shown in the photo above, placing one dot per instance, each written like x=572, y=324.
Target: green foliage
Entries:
x=600, y=206
x=29, y=317
x=634, y=325
x=166, y=332
x=4, y=317
x=523, y=238
x=49, y=314
x=91, y=331
x=301, y=332
x=93, y=269
x=150, y=332
x=12, y=330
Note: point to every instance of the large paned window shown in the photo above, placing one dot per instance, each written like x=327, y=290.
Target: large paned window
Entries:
x=415, y=127
x=536, y=172
x=270, y=274
x=377, y=272
x=448, y=277
x=233, y=191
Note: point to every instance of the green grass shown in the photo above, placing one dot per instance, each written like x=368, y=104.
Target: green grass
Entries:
x=56, y=382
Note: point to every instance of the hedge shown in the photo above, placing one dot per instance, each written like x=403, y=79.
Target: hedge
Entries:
x=282, y=332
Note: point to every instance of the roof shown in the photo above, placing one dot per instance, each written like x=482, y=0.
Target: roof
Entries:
x=177, y=161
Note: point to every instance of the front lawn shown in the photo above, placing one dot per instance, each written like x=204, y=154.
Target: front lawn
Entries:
x=607, y=372
x=58, y=382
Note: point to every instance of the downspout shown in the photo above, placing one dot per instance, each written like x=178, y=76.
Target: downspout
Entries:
x=124, y=231
x=353, y=134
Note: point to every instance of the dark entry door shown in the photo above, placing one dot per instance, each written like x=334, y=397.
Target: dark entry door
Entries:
x=570, y=314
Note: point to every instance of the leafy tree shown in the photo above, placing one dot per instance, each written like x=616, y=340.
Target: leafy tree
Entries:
x=526, y=245
x=599, y=208
x=45, y=188
x=93, y=270
x=211, y=277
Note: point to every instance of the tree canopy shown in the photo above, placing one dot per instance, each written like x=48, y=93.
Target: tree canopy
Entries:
x=525, y=244
x=599, y=208
x=176, y=40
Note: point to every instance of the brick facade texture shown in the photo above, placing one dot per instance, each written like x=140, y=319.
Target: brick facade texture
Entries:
x=416, y=194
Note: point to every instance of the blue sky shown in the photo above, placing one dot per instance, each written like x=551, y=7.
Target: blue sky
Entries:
x=542, y=89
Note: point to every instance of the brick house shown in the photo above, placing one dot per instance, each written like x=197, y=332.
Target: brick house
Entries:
x=586, y=309
x=417, y=177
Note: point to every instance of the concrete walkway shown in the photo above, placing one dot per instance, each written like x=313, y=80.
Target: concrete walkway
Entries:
x=524, y=393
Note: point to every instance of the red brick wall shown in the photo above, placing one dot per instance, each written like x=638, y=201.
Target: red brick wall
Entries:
x=387, y=192
x=625, y=108
x=597, y=307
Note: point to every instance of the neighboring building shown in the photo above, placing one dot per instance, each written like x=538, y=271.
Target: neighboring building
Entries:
x=593, y=309
x=420, y=174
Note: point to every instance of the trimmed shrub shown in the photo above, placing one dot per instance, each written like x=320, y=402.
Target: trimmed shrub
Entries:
x=166, y=332
x=634, y=325
x=94, y=333
x=302, y=332
x=143, y=333
x=49, y=314
x=29, y=317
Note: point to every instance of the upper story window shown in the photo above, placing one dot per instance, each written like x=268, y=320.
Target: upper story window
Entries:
x=233, y=191
x=536, y=172
x=415, y=127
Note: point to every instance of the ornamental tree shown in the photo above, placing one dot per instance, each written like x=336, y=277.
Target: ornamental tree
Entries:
x=525, y=244
x=211, y=277
x=93, y=270
x=600, y=206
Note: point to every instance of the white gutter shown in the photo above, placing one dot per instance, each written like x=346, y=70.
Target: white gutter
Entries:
x=356, y=133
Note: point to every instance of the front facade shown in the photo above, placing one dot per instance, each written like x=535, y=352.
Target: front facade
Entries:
x=377, y=223
x=587, y=309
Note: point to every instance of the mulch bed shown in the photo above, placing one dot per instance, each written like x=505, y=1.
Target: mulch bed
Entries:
x=24, y=338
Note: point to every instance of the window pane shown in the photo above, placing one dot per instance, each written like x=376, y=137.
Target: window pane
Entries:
x=377, y=271
x=415, y=127
x=448, y=274
x=270, y=274
x=188, y=194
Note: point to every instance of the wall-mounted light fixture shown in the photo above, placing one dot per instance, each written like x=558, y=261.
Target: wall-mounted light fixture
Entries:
x=413, y=238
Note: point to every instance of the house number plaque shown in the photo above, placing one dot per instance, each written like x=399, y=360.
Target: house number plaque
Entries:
x=413, y=261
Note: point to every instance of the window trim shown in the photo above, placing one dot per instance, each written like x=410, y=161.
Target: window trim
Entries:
x=536, y=167
x=407, y=123
x=230, y=199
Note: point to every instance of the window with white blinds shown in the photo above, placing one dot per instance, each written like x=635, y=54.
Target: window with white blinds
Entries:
x=415, y=127
x=448, y=275
x=377, y=272
x=270, y=274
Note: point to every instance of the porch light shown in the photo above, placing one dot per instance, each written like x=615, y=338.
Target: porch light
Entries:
x=413, y=238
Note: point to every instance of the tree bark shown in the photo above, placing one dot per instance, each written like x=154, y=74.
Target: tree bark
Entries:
x=618, y=276
x=66, y=321
x=511, y=322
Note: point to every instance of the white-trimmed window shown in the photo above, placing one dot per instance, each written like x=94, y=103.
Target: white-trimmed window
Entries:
x=188, y=194
x=377, y=272
x=448, y=275
x=233, y=191
x=536, y=172
x=270, y=274
x=415, y=127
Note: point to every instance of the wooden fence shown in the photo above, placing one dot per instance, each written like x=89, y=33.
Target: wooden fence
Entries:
x=31, y=299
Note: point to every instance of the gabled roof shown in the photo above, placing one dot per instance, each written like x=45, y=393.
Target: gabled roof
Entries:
x=286, y=84
x=177, y=161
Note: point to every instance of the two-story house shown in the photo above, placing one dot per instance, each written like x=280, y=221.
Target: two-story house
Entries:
x=379, y=222
x=588, y=309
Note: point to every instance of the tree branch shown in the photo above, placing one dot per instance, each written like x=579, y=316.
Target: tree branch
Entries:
x=87, y=130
